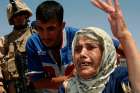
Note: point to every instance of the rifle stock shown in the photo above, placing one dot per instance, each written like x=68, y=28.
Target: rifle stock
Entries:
x=13, y=3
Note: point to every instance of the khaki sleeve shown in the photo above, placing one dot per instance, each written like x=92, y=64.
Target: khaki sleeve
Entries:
x=2, y=40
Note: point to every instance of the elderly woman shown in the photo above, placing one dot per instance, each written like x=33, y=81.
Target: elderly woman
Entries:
x=95, y=60
x=94, y=57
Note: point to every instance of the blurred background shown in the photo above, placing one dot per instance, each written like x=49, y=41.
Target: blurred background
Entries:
x=81, y=13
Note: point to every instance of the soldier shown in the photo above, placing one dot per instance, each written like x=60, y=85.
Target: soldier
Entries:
x=13, y=45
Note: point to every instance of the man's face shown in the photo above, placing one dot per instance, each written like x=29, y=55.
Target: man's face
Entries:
x=50, y=32
x=19, y=19
x=87, y=57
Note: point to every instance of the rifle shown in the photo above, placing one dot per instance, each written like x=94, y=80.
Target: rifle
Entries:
x=14, y=6
x=20, y=82
x=20, y=61
x=21, y=64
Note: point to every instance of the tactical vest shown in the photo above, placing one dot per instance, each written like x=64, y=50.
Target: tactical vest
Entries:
x=14, y=44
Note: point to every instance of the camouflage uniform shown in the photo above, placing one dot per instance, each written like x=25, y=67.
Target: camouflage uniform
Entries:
x=12, y=43
x=15, y=41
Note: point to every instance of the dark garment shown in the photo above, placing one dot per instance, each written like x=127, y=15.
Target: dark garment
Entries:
x=120, y=75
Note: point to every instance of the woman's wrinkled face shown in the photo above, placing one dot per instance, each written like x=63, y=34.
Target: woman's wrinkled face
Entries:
x=87, y=57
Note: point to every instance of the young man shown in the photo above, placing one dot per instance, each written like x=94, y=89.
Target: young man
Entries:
x=49, y=50
x=18, y=16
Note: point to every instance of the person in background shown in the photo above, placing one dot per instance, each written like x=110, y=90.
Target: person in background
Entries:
x=95, y=57
x=12, y=44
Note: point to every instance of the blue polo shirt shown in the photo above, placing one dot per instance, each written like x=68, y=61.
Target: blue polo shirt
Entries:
x=40, y=63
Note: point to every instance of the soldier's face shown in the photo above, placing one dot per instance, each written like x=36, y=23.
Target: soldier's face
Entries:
x=50, y=32
x=19, y=20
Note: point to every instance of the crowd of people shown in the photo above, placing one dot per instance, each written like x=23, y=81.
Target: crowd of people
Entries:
x=49, y=57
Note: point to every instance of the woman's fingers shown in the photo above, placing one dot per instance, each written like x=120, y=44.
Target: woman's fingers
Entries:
x=109, y=2
x=112, y=24
x=96, y=3
x=105, y=6
x=121, y=27
x=119, y=15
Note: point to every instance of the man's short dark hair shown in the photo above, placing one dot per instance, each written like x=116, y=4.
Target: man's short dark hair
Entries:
x=49, y=10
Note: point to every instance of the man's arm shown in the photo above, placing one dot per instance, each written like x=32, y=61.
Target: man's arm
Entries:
x=55, y=82
x=37, y=75
x=52, y=83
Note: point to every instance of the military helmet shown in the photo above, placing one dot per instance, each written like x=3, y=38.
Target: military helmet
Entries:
x=20, y=7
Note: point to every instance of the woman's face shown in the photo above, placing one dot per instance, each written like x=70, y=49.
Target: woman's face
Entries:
x=87, y=57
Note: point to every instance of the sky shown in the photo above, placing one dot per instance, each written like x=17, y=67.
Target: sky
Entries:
x=81, y=13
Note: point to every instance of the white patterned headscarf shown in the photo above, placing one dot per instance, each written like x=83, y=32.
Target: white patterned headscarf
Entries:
x=107, y=66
